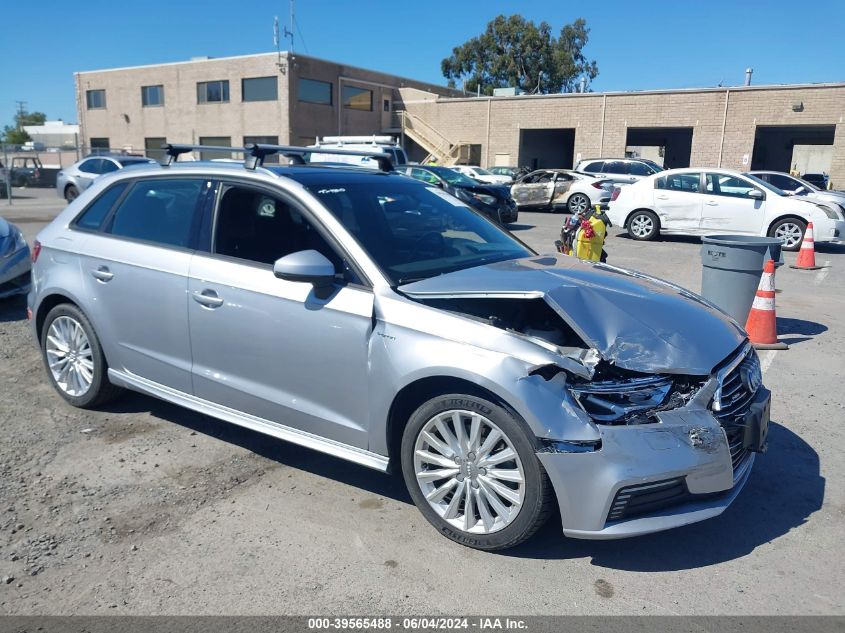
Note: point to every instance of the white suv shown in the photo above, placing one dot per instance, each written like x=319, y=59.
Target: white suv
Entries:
x=619, y=170
x=711, y=201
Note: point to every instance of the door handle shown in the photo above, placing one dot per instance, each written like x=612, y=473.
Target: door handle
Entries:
x=712, y=203
x=102, y=274
x=208, y=298
x=662, y=197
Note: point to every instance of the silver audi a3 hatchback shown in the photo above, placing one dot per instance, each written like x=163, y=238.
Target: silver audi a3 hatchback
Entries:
x=378, y=319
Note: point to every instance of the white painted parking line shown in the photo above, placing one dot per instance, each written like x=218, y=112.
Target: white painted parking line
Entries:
x=767, y=359
x=822, y=273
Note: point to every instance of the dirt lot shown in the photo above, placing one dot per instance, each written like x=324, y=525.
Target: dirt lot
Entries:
x=146, y=508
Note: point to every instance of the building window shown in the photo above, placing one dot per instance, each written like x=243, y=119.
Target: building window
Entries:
x=219, y=141
x=357, y=98
x=265, y=140
x=213, y=92
x=152, y=147
x=100, y=145
x=152, y=96
x=259, y=89
x=313, y=91
x=96, y=99
x=386, y=105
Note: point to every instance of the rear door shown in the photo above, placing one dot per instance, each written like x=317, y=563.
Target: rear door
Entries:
x=269, y=347
x=728, y=207
x=678, y=201
x=136, y=271
x=534, y=190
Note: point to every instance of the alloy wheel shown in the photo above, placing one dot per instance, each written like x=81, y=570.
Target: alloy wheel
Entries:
x=790, y=234
x=69, y=356
x=641, y=226
x=469, y=471
x=578, y=203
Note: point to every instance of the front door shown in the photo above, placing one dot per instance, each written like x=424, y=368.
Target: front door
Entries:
x=678, y=200
x=728, y=207
x=274, y=348
x=534, y=190
x=136, y=271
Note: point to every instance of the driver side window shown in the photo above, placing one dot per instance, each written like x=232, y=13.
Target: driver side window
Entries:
x=259, y=227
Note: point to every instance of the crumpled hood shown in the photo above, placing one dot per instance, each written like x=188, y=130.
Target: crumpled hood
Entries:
x=634, y=321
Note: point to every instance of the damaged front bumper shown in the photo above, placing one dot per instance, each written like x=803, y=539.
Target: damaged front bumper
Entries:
x=652, y=477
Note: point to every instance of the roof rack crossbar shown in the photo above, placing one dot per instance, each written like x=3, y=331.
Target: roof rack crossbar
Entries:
x=173, y=150
x=256, y=153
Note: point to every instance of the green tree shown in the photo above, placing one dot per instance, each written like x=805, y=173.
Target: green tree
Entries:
x=15, y=134
x=514, y=51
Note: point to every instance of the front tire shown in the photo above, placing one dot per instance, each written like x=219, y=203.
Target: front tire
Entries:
x=471, y=469
x=643, y=225
x=71, y=193
x=790, y=231
x=73, y=358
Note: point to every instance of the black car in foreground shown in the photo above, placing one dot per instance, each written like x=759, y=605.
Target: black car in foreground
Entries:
x=494, y=201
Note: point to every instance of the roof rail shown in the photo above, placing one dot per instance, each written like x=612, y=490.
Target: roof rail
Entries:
x=256, y=153
x=173, y=151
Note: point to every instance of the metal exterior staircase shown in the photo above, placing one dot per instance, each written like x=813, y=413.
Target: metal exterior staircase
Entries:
x=439, y=148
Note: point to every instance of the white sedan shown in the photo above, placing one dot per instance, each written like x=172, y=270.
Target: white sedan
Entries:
x=482, y=175
x=712, y=201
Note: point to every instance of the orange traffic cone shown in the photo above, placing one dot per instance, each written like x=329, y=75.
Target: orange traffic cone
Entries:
x=806, y=259
x=762, y=321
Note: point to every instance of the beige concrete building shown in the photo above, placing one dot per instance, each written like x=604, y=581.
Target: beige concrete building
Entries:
x=272, y=98
x=292, y=98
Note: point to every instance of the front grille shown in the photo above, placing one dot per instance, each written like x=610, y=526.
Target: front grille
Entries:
x=736, y=390
x=644, y=498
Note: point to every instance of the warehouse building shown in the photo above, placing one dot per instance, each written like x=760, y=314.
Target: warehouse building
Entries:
x=289, y=98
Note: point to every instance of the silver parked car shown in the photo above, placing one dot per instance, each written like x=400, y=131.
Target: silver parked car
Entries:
x=381, y=320
x=619, y=170
x=794, y=186
x=73, y=180
x=14, y=261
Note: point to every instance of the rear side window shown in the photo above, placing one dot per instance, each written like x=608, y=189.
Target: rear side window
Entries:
x=615, y=167
x=639, y=169
x=92, y=166
x=107, y=166
x=96, y=212
x=160, y=211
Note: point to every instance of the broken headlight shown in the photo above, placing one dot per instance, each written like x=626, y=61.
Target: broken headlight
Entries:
x=623, y=401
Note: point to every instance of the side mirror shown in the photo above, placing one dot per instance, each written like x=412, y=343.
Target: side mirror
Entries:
x=756, y=194
x=310, y=267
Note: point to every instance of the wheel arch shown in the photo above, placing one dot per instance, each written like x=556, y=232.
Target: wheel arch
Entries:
x=415, y=393
x=786, y=216
x=48, y=303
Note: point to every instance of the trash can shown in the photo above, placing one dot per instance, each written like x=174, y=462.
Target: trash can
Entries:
x=731, y=270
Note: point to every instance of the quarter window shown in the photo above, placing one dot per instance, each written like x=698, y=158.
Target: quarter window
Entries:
x=96, y=212
x=313, y=91
x=691, y=183
x=152, y=96
x=259, y=89
x=357, y=98
x=213, y=91
x=95, y=99
x=594, y=167
x=160, y=211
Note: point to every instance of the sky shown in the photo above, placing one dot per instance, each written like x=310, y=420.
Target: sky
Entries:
x=642, y=45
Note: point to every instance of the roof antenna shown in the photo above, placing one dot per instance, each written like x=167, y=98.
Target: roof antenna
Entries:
x=290, y=33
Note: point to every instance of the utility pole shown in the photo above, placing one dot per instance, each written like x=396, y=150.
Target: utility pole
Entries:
x=21, y=112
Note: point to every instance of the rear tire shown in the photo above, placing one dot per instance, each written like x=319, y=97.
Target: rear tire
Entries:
x=73, y=358
x=643, y=225
x=71, y=193
x=790, y=231
x=460, y=451
x=578, y=203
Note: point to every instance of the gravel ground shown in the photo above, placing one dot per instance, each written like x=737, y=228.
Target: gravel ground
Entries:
x=146, y=508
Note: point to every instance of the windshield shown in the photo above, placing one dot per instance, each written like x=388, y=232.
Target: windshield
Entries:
x=453, y=177
x=765, y=184
x=412, y=231
x=652, y=164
